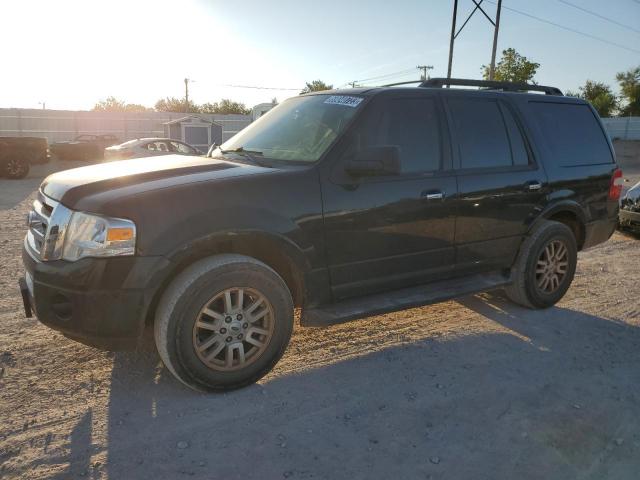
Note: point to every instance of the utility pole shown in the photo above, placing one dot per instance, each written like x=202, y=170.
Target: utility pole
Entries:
x=453, y=37
x=454, y=33
x=424, y=68
x=353, y=84
x=186, y=95
x=492, y=68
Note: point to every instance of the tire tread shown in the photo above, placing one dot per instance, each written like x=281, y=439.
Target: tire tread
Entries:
x=177, y=289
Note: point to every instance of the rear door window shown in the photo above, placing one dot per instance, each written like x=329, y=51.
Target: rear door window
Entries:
x=572, y=134
x=480, y=133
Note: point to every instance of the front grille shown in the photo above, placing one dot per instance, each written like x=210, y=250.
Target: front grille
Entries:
x=38, y=222
x=47, y=222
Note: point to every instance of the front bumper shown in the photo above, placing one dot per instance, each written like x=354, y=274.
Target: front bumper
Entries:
x=102, y=302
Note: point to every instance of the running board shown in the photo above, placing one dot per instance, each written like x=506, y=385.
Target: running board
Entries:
x=393, y=301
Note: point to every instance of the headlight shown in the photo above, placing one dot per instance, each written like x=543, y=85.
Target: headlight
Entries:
x=97, y=236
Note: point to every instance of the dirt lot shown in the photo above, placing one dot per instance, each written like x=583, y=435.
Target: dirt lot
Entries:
x=470, y=389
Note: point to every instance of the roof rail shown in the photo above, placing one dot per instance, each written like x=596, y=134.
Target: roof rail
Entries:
x=402, y=83
x=491, y=85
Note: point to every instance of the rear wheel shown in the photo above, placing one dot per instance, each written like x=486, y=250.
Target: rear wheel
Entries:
x=224, y=322
x=545, y=266
x=15, y=168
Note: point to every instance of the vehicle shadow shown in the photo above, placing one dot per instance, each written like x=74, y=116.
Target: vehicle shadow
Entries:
x=541, y=394
x=629, y=233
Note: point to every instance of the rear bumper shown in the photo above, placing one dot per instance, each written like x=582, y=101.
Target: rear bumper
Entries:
x=598, y=232
x=100, y=302
x=629, y=219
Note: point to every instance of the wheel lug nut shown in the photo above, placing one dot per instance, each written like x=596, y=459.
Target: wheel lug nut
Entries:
x=229, y=339
x=240, y=337
x=239, y=316
x=227, y=319
x=223, y=331
x=245, y=325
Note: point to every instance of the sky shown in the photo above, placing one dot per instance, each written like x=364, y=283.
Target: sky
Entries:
x=70, y=54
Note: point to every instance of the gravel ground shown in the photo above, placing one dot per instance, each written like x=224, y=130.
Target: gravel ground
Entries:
x=471, y=389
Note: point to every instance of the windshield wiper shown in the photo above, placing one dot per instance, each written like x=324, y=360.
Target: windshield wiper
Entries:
x=242, y=150
x=250, y=154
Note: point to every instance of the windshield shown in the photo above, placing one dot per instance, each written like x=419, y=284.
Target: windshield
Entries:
x=299, y=129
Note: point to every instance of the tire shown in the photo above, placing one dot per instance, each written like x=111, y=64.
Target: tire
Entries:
x=15, y=169
x=199, y=291
x=530, y=272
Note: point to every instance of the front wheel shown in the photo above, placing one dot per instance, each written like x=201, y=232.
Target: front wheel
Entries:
x=545, y=266
x=224, y=322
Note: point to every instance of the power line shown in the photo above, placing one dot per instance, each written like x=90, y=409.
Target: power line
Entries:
x=380, y=77
x=260, y=88
x=569, y=29
x=610, y=20
x=388, y=81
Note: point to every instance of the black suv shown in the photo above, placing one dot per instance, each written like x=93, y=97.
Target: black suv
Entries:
x=345, y=204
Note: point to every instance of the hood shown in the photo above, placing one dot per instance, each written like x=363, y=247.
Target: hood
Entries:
x=69, y=186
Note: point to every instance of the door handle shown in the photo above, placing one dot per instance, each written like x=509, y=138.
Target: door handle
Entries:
x=533, y=185
x=432, y=194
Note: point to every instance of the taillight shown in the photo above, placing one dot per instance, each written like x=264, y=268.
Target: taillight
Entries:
x=615, y=187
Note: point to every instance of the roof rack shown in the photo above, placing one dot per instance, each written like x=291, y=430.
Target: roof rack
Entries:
x=491, y=85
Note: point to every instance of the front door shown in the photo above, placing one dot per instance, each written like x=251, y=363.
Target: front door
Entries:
x=394, y=231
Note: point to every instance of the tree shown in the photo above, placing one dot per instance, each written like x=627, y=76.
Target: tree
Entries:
x=172, y=104
x=599, y=94
x=512, y=67
x=112, y=104
x=225, y=107
x=315, y=86
x=629, y=82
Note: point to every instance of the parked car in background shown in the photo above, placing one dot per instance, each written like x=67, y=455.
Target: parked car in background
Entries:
x=345, y=204
x=149, y=147
x=629, y=216
x=18, y=153
x=84, y=147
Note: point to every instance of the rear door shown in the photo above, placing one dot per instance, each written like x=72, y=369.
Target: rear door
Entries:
x=501, y=186
x=389, y=232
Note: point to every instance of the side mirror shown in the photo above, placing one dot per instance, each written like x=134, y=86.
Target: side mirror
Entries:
x=375, y=161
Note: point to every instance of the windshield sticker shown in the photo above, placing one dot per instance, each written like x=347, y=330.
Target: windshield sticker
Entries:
x=345, y=100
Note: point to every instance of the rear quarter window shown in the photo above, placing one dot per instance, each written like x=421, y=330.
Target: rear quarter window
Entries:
x=572, y=134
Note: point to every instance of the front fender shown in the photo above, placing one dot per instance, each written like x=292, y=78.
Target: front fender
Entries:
x=241, y=241
x=231, y=225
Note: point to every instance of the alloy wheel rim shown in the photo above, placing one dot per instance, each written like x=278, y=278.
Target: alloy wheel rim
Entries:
x=552, y=266
x=14, y=167
x=233, y=329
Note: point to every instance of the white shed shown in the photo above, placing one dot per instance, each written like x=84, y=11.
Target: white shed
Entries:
x=194, y=130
